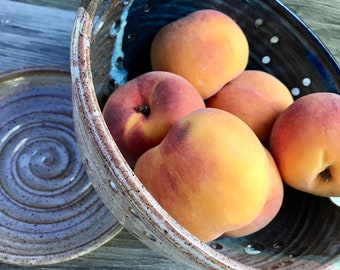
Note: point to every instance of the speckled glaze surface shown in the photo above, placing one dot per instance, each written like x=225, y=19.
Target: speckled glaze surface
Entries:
x=110, y=44
x=49, y=211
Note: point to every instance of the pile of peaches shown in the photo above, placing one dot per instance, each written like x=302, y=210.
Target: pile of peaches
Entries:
x=214, y=142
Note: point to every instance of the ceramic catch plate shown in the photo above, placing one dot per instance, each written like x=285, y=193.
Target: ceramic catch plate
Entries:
x=49, y=211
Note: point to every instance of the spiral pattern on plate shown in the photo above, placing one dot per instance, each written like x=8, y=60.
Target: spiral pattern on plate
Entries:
x=48, y=208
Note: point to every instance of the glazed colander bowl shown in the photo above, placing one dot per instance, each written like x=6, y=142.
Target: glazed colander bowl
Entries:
x=111, y=45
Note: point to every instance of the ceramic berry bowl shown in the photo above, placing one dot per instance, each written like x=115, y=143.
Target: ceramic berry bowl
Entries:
x=110, y=45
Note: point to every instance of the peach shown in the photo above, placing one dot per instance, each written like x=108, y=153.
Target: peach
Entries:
x=210, y=173
x=206, y=47
x=140, y=112
x=270, y=209
x=256, y=97
x=305, y=144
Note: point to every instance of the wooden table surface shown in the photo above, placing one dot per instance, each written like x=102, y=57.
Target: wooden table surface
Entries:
x=38, y=32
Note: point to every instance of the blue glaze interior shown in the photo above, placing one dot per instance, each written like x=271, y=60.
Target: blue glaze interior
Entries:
x=297, y=54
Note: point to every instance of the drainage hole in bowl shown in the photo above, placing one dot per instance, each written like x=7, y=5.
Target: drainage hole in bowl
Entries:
x=133, y=212
x=115, y=28
x=113, y=186
x=216, y=245
x=147, y=7
x=119, y=62
x=295, y=91
x=112, y=85
x=298, y=253
x=274, y=40
x=253, y=249
x=150, y=236
x=131, y=36
x=258, y=22
x=266, y=60
x=306, y=81
x=278, y=244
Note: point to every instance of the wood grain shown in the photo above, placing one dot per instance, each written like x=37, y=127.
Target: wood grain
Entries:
x=323, y=18
x=38, y=32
